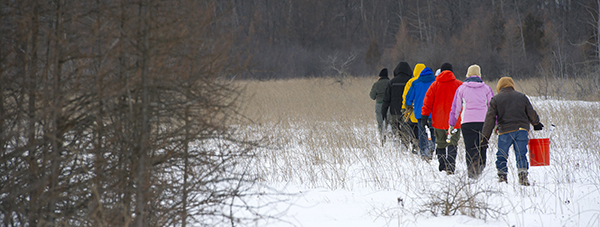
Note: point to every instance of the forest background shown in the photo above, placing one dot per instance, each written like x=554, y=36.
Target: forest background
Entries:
x=124, y=112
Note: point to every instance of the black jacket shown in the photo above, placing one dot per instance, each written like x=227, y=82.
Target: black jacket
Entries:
x=394, y=90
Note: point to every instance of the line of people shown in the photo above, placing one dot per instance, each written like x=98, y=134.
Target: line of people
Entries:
x=425, y=108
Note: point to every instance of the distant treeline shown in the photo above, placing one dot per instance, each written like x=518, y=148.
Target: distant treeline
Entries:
x=525, y=38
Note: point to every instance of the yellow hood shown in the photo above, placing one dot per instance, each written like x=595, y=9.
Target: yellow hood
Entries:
x=418, y=68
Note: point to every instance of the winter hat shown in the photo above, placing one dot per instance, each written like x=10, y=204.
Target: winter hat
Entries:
x=505, y=82
x=446, y=66
x=474, y=70
x=383, y=73
x=437, y=72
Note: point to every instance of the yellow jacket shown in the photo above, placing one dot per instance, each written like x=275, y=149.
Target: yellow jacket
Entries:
x=418, y=68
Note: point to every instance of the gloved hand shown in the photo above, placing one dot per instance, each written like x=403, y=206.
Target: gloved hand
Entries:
x=450, y=129
x=538, y=127
x=423, y=121
x=407, y=113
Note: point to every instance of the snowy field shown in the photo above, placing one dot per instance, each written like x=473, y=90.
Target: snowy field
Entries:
x=336, y=173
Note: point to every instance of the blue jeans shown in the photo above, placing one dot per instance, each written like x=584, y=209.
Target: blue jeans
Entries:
x=518, y=140
x=426, y=146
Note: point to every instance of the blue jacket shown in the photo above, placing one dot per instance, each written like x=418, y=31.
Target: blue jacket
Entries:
x=416, y=93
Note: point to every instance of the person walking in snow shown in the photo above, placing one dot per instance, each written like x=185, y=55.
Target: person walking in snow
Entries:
x=393, y=100
x=471, y=98
x=513, y=113
x=438, y=102
x=410, y=113
x=414, y=97
x=377, y=93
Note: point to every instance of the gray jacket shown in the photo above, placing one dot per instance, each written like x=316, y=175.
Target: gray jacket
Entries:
x=378, y=90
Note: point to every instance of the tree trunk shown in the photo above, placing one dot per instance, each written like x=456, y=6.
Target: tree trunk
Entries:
x=145, y=115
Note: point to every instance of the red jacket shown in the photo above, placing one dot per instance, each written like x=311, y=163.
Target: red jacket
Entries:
x=438, y=100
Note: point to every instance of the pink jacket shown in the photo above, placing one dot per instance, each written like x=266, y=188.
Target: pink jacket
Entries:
x=476, y=96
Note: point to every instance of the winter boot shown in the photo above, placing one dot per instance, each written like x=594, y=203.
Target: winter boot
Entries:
x=523, y=179
x=441, y=155
x=502, y=178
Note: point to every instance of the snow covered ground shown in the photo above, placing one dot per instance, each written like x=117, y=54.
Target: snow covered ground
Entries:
x=361, y=183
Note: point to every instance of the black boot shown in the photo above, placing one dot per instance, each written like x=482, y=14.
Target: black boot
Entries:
x=441, y=155
x=502, y=178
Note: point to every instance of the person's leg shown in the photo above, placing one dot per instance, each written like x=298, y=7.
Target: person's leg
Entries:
x=422, y=140
x=394, y=121
x=379, y=116
x=504, y=143
x=380, y=124
x=441, y=145
x=404, y=131
x=452, y=151
x=415, y=136
x=470, y=135
x=481, y=155
x=521, y=140
x=482, y=152
x=430, y=143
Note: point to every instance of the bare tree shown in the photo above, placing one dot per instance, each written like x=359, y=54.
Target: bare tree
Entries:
x=340, y=66
x=118, y=114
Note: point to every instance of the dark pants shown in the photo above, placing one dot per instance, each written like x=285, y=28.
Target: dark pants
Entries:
x=445, y=151
x=474, y=157
x=426, y=145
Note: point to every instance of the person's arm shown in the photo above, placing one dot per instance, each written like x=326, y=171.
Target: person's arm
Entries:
x=428, y=100
x=410, y=95
x=405, y=91
x=456, y=107
x=490, y=119
x=373, y=93
x=531, y=113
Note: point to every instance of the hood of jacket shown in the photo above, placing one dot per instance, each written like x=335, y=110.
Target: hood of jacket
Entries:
x=403, y=69
x=505, y=82
x=418, y=68
x=445, y=76
x=426, y=76
x=474, y=82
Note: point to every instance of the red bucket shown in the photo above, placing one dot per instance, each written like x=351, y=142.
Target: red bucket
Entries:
x=539, y=152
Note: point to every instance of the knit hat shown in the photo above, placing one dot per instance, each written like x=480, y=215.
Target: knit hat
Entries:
x=383, y=73
x=446, y=66
x=474, y=70
x=505, y=82
x=437, y=72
